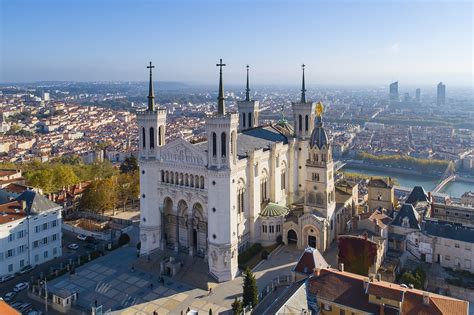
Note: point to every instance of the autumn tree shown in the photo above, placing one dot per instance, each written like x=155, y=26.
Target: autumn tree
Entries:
x=100, y=196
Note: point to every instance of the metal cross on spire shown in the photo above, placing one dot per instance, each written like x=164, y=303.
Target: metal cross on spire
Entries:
x=151, y=94
x=220, y=98
x=303, y=88
x=247, y=90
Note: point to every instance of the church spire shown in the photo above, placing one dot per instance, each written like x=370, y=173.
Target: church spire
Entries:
x=303, y=88
x=247, y=90
x=220, y=98
x=151, y=94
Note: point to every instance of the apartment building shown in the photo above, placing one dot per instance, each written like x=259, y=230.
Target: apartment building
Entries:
x=30, y=231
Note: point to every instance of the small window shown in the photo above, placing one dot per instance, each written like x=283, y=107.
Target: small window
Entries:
x=447, y=257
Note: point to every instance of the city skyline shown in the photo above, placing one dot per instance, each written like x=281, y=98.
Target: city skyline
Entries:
x=344, y=43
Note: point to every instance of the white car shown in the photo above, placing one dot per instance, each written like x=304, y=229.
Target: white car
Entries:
x=73, y=246
x=81, y=237
x=26, y=269
x=20, y=286
x=5, y=278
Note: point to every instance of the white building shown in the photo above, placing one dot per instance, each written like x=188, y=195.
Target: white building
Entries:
x=210, y=198
x=30, y=232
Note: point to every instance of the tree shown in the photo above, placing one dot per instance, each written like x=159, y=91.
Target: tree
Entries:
x=64, y=176
x=250, y=289
x=236, y=307
x=129, y=165
x=101, y=195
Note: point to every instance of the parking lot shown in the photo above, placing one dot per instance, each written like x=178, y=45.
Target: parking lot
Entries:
x=67, y=255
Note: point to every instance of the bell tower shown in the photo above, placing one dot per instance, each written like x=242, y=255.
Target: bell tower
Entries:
x=151, y=125
x=320, y=194
x=303, y=113
x=151, y=129
x=248, y=109
x=221, y=130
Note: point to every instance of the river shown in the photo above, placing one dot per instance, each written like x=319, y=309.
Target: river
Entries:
x=454, y=189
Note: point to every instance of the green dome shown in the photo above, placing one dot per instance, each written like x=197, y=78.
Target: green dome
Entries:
x=274, y=210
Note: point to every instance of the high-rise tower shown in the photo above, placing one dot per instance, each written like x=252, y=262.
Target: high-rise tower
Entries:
x=441, y=94
x=394, y=96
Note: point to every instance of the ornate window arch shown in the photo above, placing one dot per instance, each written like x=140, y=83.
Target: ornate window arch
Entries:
x=143, y=137
x=152, y=138
x=264, y=186
x=223, y=144
x=214, y=144
x=240, y=195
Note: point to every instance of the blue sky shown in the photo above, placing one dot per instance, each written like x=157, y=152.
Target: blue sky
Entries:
x=341, y=42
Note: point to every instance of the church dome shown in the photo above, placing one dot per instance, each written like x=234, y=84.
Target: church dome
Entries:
x=319, y=138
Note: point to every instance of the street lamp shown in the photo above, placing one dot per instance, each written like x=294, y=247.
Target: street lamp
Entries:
x=45, y=294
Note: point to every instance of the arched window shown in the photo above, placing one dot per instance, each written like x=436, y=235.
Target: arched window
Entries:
x=306, y=123
x=263, y=187
x=250, y=120
x=191, y=180
x=240, y=196
x=214, y=144
x=162, y=176
x=243, y=120
x=160, y=130
x=186, y=180
x=152, y=138
x=196, y=181
x=143, y=137
x=300, y=123
x=172, y=177
x=202, y=182
x=167, y=177
x=283, y=176
x=176, y=178
x=223, y=144
x=181, y=181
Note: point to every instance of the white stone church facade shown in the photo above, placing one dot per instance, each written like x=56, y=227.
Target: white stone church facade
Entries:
x=246, y=184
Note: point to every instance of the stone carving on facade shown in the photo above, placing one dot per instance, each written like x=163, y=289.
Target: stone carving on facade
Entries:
x=182, y=154
x=214, y=257
x=226, y=257
x=143, y=237
x=154, y=238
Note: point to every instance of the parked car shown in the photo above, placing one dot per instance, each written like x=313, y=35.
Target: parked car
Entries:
x=5, y=278
x=26, y=269
x=20, y=286
x=92, y=240
x=9, y=296
x=81, y=237
x=73, y=246
x=24, y=307
x=16, y=305
x=34, y=312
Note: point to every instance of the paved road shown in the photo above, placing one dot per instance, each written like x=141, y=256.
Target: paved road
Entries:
x=68, y=238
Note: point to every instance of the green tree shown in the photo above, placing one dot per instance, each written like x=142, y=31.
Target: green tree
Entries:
x=64, y=176
x=129, y=165
x=237, y=307
x=42, y=179
x=100, y=196
x=127, y=188
x=250, y=294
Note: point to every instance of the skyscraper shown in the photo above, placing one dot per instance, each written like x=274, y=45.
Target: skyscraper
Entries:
x=441, y=99
x=394, y=92
x=418, y=95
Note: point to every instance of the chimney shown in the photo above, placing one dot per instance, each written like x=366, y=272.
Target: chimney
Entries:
x=317, y=272
x=426, y=298
x=411, y=286
x=341, y=267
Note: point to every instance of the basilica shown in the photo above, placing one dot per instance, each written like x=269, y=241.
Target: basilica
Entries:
x=248, y=183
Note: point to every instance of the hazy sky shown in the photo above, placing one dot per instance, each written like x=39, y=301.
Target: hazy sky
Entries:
x=341, y=42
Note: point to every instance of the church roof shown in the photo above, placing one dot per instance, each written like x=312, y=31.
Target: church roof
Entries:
x=409, y=212
x=274, y=210
x=418, y=194
x=258, y=138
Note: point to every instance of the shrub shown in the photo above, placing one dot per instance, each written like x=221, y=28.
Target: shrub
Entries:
x=264, y=254
x=249, y=253
x=123, y=239
x=236, y=307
